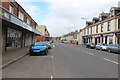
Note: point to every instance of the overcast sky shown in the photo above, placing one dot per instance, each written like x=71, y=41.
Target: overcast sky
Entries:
x=63, y=16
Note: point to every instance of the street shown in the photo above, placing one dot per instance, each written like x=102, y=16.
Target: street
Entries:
x=66, y=61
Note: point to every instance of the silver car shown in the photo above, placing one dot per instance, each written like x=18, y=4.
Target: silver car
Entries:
x=114, y=48
x=101, y=46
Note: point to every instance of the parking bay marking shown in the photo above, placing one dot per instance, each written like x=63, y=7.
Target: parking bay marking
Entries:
x=111, y=61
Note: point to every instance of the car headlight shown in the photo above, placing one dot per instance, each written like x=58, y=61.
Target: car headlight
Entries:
x=43, y=48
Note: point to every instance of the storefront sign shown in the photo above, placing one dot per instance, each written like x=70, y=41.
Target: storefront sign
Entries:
x=107, y=34
x=4, y=14
x=27, y=27
x=96, y=36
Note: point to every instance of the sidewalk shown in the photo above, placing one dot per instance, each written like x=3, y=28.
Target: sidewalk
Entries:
x=11, y=56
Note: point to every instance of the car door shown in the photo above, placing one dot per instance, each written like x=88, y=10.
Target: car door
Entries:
x=97, y=45
x=119, y=49
x=115, y=48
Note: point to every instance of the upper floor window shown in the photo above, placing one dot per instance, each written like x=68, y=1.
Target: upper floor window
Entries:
x=97, y=29
x=88, y=31
x=28, y=21
x=118, y=23
x=91, y=30
x=11, y=9
x=109, y=27
x=21, y=16
x=102, y=27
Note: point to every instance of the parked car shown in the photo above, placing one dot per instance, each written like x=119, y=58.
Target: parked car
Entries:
x=90, y=45
x=101, y=46
x=114, y=48
x=48, y=45
x=51, y=41
x=38, y=48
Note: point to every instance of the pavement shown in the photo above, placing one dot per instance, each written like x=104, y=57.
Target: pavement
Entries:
x=12, y=56
x=66, y=61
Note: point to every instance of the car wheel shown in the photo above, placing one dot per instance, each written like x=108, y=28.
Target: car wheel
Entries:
x=101, y=49
x=95, y=48
x=109, y=50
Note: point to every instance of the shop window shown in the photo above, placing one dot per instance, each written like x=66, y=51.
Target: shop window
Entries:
x=110, y=39
x=13, y=38
x=11, y=9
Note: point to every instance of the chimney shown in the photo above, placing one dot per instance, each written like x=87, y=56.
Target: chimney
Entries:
x=95, y=20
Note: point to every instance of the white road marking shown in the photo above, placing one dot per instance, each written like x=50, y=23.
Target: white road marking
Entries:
x=88, y=53
x=51, y=77
x=52, y=56
x=111, y=61
x=53, y=46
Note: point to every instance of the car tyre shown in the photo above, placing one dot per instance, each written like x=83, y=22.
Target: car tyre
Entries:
x=101, y=49
x=109, y=50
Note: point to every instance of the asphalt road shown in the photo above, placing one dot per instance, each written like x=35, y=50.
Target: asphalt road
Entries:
x=66, y=61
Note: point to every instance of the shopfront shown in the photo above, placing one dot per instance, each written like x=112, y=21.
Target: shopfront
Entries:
x=108, y=38
x=14, y=39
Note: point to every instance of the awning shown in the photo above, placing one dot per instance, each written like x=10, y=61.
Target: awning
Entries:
x=108, y=34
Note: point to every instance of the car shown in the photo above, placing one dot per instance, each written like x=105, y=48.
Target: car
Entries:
x=38, y=48
x=90, y=45
x=101, y=46
x=51, y=41
x=114, y=48
x=48, y=45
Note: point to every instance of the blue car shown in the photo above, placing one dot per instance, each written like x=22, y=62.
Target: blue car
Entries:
x=38, y=48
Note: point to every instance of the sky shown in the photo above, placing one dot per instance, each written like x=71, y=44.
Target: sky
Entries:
x=64, y=16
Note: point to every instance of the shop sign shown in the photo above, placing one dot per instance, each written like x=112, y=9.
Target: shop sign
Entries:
x=27, y=27
x=108, y=34
x=5, y=15
x=96, y=36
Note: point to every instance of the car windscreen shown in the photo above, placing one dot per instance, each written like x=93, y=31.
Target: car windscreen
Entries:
x=39, y=44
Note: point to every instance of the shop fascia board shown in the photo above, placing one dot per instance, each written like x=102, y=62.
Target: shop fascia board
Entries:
x=6, y=15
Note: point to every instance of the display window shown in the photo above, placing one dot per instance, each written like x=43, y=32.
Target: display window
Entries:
x=13, y=38
x=110, y=39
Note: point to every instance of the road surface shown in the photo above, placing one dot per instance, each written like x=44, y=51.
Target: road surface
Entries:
x=66, y=61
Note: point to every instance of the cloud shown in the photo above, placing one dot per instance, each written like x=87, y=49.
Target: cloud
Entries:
x=31, y=9
x=65, y=15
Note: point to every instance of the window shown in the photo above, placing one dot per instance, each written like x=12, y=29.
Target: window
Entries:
x=11, y=9
x=97, y=29
x=118, y=23
x=28, y=21
x=91, y=30
x=102, y=27
x=88, y=31
x=21, y=16
x=109, y=27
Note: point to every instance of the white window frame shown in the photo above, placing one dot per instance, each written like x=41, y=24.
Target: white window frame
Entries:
x=28, y=21
x=11, y=9
x=21, y=16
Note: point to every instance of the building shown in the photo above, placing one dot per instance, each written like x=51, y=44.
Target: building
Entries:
x=45, y=34
x=71, y=37
x=105, y=30
x=18, y=27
